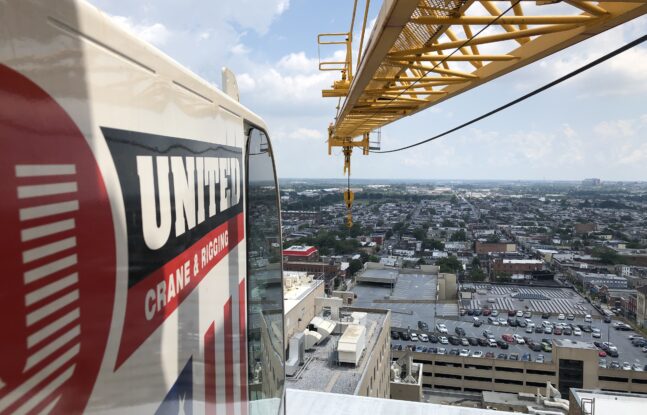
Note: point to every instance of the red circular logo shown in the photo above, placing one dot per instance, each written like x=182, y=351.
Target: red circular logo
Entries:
x=58, y=254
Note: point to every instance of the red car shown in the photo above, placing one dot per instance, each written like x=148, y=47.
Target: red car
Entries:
x=508, y=338
x=602, y=353
x=487, y=311
x=512, y=313
x=557, y=331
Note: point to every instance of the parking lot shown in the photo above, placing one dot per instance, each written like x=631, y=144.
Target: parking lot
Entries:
x=406, y=314
x=538, y=299
x=627, y=352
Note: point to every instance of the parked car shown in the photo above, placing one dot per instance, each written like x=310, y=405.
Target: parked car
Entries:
x=626, y=366
x=502, y=344
x=442, y=350
x=414, y=337
x=512, y=313
x=508, y=338
x=587, y=318
x=534, y=346
x=557, y=331
x=423, y=337
x=519, y=313
x=443, y=340
x=518, y=339
x=433, y=338
x=477, y=353
x=502, y=356
x=477, y=322
x=487, y=311
x=570, y=316
x=526, y=357
x=546, y=347
x=441, y=328
x=490, y=355
x=495, y=313
x=460, y=331
x=614, y=365
x=423, y=326
x=530, y=329
x=539, y=329
x=482, y=342
x=545, y=316
x=548, y=330
x=463, y=311
x=514, y=356
x=473, y=341
x=527, y=314
x=539, y=358
x=464, y=341
x=607, y=319
x=561, y=316
x=577, y=331
x=464, y=353
x=454, y=352
x=454, y=340
x=602, y=363
x=567, y=331
x=405, y=336
x=478, y=312
x=395, y=335
x=493, y=343
x=602, y=353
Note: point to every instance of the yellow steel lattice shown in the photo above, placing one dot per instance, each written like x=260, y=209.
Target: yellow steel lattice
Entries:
x=402, y=70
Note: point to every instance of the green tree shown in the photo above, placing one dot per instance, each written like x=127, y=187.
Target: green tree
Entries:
x=449, y=264
x=433, y=244
x=354, y=266
x=477, y=274
x=459, y=236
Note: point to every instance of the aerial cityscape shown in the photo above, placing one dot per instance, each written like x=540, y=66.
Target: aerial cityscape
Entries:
x=476, y=276
x=298, y=207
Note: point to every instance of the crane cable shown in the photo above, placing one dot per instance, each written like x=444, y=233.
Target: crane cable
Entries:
x=348, y=194
x=526, y=96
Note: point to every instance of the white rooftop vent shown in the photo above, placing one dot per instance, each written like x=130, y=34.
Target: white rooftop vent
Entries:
x=351, y=344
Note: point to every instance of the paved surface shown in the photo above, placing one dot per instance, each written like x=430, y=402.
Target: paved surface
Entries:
x=627, y=352
x=538, y=299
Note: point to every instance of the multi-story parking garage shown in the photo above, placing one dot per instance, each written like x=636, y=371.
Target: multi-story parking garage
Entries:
x=574, y=365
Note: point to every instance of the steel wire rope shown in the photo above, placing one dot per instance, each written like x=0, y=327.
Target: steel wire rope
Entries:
x=444, y=60
x=526, y=96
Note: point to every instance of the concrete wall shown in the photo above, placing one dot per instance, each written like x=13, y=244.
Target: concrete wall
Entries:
x=469, y=373
x=375, y=380
x=300, y=316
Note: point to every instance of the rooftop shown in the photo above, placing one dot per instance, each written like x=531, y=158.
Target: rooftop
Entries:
x=606, y=402
x=296, y=287
x=574, y=344
x=321, y=371
x=300, y=250
x=318, y=403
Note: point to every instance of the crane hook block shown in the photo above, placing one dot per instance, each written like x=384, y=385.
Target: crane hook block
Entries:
x=349, y=196
x=348, y=150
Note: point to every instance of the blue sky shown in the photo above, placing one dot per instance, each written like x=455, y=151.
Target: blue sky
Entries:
x=592, y=126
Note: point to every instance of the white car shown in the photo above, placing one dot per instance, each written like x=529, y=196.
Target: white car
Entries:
x=477, y=353
x=530, y=329
x=441, y=328
x=577, y=331
x=414, y=337
x=519, y=313
x=423, y=337
x=587, y=318
x=610, y=346
x=442, y=350
x=595, y=332
x=626, y=366
x=517, y=338
x=464, y=341
x=491, y=342
x=503, y=321
x=465, y=353
x=443, y=340
x=561, y=316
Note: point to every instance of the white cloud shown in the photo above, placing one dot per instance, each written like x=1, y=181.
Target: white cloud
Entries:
x=616, y=128
x=239, y=49
x=306, y=133
x=155, y=33
x=568, y=131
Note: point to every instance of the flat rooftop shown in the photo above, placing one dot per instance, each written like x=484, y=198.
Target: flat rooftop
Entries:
x=611, y=402
x=294, y=295
x=319, y=403
x=554, y=300
x=574, y=344
x=321, y=372
x=379, y=276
